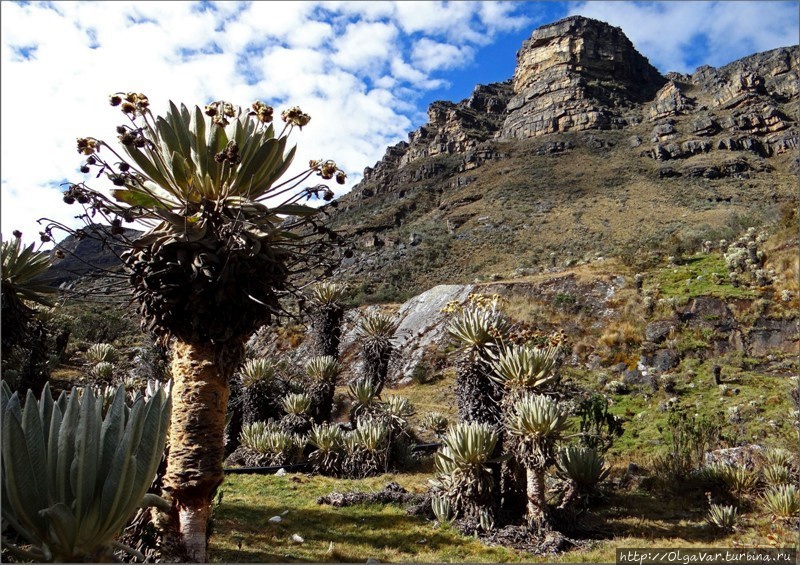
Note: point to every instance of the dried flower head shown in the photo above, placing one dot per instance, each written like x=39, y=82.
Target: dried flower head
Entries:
x=87, y=145
x=328, y=169
x=115, y=99
x=295, y=116
x=262, y=112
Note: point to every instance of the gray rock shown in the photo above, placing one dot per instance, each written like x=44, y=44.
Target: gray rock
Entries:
x=658, y=331
x=745, y=455
x=664, y=360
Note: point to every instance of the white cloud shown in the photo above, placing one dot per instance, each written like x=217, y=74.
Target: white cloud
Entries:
x=431, y=55
x=365, y=47
x=358, y=68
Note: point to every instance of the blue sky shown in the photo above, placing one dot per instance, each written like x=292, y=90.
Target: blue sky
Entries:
x=365, y=71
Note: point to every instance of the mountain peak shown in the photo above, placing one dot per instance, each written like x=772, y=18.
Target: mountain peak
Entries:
x=576, y=74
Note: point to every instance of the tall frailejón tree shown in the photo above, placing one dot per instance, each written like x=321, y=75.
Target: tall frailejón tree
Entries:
x=23, y=269
x=226, y=235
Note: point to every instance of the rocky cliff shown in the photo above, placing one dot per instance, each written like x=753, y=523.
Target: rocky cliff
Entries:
x=577, y=74
x=588, y=138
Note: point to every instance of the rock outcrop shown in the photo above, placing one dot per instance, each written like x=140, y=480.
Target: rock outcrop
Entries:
x=452, y=128
x=577, y=74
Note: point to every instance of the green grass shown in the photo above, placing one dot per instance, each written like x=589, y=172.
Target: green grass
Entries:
x=622, y=518
x=695, y=277
x=243, y=533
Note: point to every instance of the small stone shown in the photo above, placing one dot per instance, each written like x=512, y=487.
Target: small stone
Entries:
x=280, y=472
x=297, y=538
x=284, y=513
x=276, y=519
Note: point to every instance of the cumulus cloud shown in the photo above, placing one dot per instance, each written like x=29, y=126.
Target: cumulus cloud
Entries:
x=358, y=68
x=680, y=36
x=430, y=55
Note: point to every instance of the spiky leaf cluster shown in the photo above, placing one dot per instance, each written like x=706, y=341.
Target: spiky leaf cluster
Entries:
x=73, y=477
x=537, y=422
x=323, y=368
x=722, y=517
x=101, y=352
x=255, y=370
x=328, y=293
x=279, y=447
x=326, y=318
x=376, y=331
x=583, y=466
x=364, y=398
x=328, y=440
x=435, y=422
x=103, y=370
x=366, y=449
x=296, y=403
x=462, y=474
x=477, y=327
x=22, y=284
x=775, y=475
x=782, y=501
x=442, y=508
x=738, y=479
x=22, y=272
x=323, y=371
x=523, y=367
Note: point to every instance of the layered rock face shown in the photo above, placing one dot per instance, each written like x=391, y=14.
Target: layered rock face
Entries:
x=749, y=105
x=453, y=128
x=582, y=74
x=577, y=74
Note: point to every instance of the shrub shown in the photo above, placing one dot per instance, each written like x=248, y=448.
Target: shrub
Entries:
x=436, y=423
x=296, y=404
x=101, y=353
x=71, y=477
x=722, y=517
x=783, y=501
x=462, y=474
x=583, y=466
x=689, y=438
x=598, y=427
